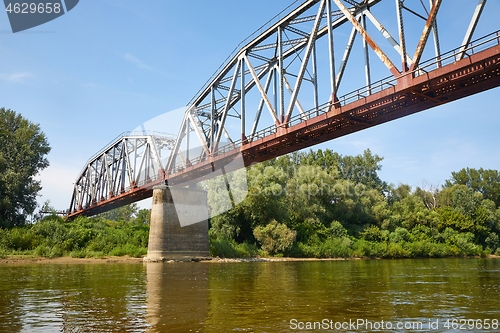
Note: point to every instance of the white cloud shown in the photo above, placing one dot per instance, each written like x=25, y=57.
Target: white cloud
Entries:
x=57, y=184
x=15, y=77
x=130, y=58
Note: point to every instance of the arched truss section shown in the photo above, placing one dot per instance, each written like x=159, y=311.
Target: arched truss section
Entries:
x=129, y=162
x=297, y=65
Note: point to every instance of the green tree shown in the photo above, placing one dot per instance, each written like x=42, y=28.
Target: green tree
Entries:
x=484, y=181
x=309, y=194
x=361, y=169
x=275, y=237
x=409, y=212
x=122, y=214
x=23, y=147
x=143, y=216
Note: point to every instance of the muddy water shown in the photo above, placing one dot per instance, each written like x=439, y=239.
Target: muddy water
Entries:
x=438, y=295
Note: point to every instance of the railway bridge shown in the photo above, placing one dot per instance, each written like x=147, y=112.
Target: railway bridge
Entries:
x=284, y=89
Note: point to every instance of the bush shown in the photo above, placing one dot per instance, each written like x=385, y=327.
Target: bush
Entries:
x=395, y=250
x=20, y=239
x=363, y=248
x=373, y=234
x=246, y=250
x=130, y=250
x=337, y=230
x=492, y=241
x=48, y=251
x=94, y=254
x=329, y=248
x=78, y=254
x=463, y=242
x=83, y=237
x=400, y=235
x=275, y=237
x=222, y=247
x=335, y=248
x=51, y=230
x=427, y=248
x=86, y=254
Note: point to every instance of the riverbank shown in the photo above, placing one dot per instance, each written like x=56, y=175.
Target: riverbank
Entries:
x=69, y=260
x=132, y=260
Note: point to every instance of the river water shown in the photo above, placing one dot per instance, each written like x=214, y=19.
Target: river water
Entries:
x=421, y=295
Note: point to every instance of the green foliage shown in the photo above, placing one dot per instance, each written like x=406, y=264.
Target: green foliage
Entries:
x=20, y=239
x=330, y=248
x=373, y=234
x=275, y=237
x=83, y=237
x=337, y=230
x=328, y=206
x=464, y=242
x=130, y=250
x=227, y=248
x=400, y=235
x=484, y=181
x=361, y=169
x=222, y=247
x=307, y=191
x=408, y=210
x=143, y=216
x=23, y=147
x=451, y=218
x=122, y=214
x=48, y=251
x=3, y=253
x=492, y=241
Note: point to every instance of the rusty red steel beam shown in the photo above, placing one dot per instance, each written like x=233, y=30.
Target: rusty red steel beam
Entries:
x=359, y=28
x=127, y=197
x=471, y=75
x=425, y=34
x=466, y=77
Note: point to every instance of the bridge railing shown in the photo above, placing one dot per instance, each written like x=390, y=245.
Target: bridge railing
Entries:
x=425, y=67
x=454, y=55
x=144, y=182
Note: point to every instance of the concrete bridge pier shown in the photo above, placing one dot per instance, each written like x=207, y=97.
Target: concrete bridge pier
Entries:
x=178, y=230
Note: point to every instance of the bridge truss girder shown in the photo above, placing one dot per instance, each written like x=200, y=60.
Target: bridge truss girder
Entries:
x=279, y=69
x=129, y=162
x=288, y=70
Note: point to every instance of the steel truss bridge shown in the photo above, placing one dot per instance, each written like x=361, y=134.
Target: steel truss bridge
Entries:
x=282, y=91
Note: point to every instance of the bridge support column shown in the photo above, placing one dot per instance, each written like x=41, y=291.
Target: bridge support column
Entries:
x=178, y=230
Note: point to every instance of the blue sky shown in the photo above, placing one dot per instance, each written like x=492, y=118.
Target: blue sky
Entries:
x=110, y=65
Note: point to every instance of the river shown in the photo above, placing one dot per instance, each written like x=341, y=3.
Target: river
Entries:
x=417, y=295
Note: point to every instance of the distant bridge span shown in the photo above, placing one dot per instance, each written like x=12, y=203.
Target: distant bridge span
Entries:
x=287, y=69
